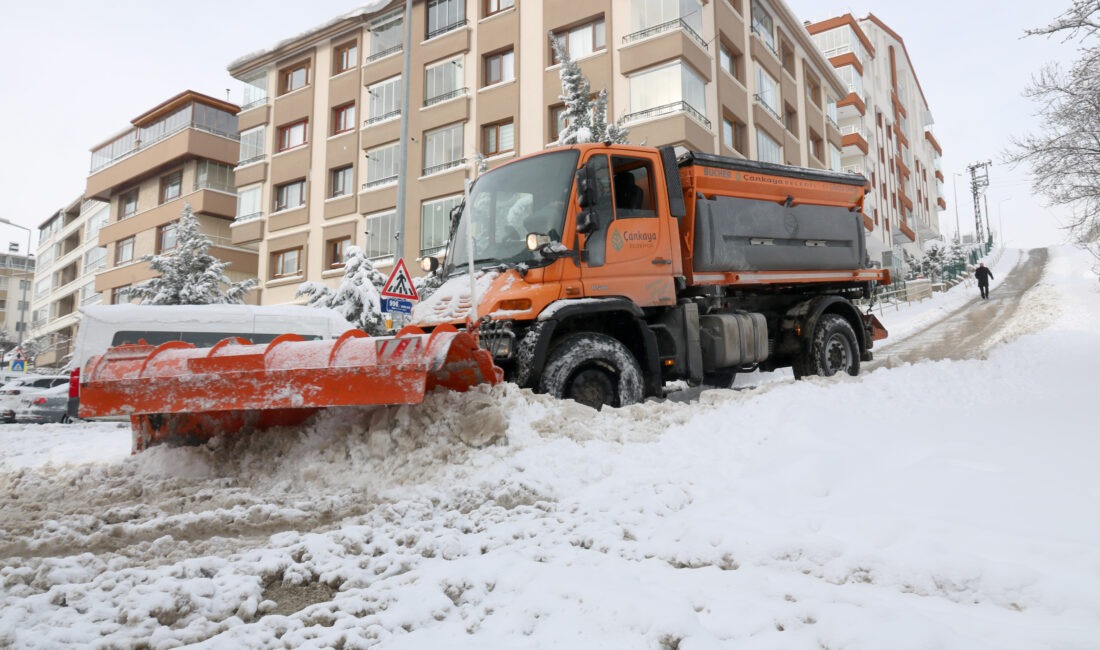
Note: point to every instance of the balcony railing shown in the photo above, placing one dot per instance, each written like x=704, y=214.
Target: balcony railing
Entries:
x=435, y=169
x=248, y=217
x=767, y=39
x=254, y=104
x=378, y=182
x=678, y=23
x=439, y=99
x=130, y=143
x=763, y=104
x=381, y=54
x=446, y=28
x=382, y=118
x=253, y=159
x=668, y=109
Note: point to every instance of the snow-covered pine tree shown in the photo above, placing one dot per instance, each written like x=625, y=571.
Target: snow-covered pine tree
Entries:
x=189, y=274
x=585, y=119
x=357, y=298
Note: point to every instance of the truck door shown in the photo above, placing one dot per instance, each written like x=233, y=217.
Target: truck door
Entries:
x=630, y=253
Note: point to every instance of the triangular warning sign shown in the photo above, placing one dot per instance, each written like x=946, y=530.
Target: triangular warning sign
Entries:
x=400, y=284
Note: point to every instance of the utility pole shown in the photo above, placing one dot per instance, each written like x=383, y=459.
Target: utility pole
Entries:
x=979, y=180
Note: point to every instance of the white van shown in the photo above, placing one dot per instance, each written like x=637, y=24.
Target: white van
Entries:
x=105, y=326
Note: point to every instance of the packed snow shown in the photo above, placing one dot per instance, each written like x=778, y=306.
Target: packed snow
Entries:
x=946, y=504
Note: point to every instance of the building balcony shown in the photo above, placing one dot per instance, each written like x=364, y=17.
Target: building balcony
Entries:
x=667, y=109
x=941, y=202
x=855, y=101
x=204, y=201
x=855, y=139
x=142, y=161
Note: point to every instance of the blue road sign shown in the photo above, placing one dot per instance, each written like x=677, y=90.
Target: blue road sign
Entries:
x=399, y=305
x=18, y=366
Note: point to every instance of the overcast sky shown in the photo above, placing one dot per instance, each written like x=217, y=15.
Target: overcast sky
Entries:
x=79, y=70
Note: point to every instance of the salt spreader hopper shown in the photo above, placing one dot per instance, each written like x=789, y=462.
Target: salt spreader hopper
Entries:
x=176, y=391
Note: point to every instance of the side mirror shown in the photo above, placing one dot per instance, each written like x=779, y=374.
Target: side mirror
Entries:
x=587, y=188
x=429, y=264
x=587, y=222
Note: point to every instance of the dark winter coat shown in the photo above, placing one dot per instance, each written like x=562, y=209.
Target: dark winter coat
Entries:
x=983, y=274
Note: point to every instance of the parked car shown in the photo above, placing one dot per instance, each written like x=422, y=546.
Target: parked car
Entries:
x=15, y=390
x=49, y=405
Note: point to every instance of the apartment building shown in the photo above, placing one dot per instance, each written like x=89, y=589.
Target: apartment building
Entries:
x=180, y=152
x=68, y=257
x=887, y=134
x=322, y=112
x=16, y=277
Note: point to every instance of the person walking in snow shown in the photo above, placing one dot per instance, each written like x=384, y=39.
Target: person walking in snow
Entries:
x=983, y=275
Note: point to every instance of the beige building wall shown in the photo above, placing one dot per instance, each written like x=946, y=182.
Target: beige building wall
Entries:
x=296, y=243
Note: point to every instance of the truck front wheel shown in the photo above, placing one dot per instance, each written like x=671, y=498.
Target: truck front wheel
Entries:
x=593, y=369
x=834, y=349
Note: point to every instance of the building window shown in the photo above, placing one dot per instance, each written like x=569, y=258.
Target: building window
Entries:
x=254, y=90
x=170, y=186
x=813, y=91
x=345, y=57
x=790, y=119
x=248, y=201
x=286, y=263
x=335, y=250
x=443, y=81
x=341, y=181
x=817, y=146
x=253, y=144
x=444, y=16
x=732, y=62
x=767, y=91
x=580, y=41
x=733, y=134
x=292, y=135
x=385, y=100
x=382, y=235
x=497, y=6
x=443, y=149
x=166, y=237
x=500, y=67
x=645, y=15
x=124, y=251
x=290, y=195
x=767, y=149
x=210, y=175
x=763, y=25
x=343, y=118
x=382, y=165
x=668, y=89
x=435, y=223
x=786, y=56
x=386, y=35
x=293, y=77
x=558, y=121
x=127, y=204
x=497, y=138
x=120, y=295
x=95, y=259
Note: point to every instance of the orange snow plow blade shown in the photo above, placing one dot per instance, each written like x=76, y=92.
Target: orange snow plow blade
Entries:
x=176, y=390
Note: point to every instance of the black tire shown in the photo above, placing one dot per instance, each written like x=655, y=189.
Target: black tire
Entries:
x=65, y=419
x=834, y=349
x=593, y=369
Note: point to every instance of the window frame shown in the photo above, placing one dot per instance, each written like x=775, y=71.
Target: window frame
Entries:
x=335, y=250
x=499, y=55
x=280, y=257
x=124, y=244
x=280, y=195
x=286, y=130
x=495, y=128
x=117, y=297
x=124, y=201
x=487, y=5
x=168, y=182
x=343, y=116
x=344, y=57
x=341, y=177
x=567, y=31
x=390, y=225
x=286, y=76
x=171, y=228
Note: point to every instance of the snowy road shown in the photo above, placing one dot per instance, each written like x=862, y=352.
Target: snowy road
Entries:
x=969, y=331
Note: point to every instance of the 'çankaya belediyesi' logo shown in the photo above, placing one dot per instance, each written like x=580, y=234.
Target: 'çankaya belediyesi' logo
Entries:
x=637, y=239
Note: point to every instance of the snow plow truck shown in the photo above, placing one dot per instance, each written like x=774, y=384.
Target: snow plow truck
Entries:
x=593, y=272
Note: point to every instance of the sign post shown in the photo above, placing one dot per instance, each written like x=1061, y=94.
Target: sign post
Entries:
x=399, y=293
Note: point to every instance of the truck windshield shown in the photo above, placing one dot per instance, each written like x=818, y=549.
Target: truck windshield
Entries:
x=508, y=203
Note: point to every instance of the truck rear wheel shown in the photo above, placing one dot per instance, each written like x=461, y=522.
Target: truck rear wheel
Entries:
x=834, y=349
x=593, y=369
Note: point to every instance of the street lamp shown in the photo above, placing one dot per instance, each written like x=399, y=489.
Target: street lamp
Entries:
x=955, y=186
x=26, y=282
